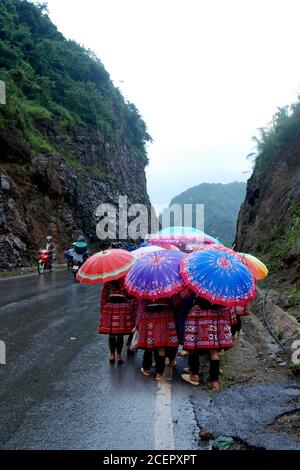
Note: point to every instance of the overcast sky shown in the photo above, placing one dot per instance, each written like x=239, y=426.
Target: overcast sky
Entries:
x=203, y=74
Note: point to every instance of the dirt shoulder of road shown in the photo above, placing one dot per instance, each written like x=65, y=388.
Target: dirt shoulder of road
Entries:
x=263, y=352
x=257, y=358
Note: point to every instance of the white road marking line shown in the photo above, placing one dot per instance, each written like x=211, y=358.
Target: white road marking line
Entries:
x=164, y=437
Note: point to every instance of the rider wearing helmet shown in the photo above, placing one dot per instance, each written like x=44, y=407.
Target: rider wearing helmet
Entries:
x=50, y=247
x=80, y=250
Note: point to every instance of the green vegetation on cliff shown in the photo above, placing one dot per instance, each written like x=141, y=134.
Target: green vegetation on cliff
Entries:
x=53, y=80
x=275, y=140
x=269, y=221
x=222, y=203
x=279, y=144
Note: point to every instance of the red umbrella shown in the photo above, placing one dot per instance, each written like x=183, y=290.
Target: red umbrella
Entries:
x=105, y=266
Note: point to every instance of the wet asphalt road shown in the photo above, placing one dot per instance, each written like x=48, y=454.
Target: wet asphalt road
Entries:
x=57, y=390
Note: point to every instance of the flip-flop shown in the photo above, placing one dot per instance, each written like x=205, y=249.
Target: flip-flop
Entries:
x=187, y=378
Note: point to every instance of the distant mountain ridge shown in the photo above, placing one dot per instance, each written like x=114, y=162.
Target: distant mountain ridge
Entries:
x=222, y=203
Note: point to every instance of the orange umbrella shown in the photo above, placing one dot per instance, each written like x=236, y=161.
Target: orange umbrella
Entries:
x=257, y=267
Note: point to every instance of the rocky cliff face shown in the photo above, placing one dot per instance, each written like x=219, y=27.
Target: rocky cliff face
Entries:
x=69, y=141
x=56, y=195
x=269, y=220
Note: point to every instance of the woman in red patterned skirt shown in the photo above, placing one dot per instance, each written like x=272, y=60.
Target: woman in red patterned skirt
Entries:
x=238, y=312
x=207, y=329
x=116, y=317
x=156, y=333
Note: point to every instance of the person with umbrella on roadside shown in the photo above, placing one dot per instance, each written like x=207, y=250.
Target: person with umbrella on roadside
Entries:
x=116, y=317
x=221, y=281
x=157, y=334
x=207, y=331
x=116, y=311
x=155, y=279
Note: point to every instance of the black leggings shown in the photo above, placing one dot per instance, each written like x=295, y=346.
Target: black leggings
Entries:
x=171, y=353
x=116, y=343
x=238, y=326
x=194, y=364
x=159, y=360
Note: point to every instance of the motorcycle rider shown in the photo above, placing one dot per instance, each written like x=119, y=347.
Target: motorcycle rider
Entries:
x=50, y=247
x=82, y=256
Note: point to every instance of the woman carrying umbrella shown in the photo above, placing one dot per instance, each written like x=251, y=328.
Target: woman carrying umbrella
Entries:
x=221, y=281
x=156, y=333
x=116, y=313
x=154, y=279
x=236, y=326
x=207, y=331
x=258, y=270
x=116, y=317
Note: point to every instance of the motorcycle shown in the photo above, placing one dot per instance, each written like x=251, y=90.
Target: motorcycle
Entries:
x=45, y=261
x=77, y=262
x=76, y=265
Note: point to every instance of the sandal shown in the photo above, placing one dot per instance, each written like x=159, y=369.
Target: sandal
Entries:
x=158, y=377
x=146, y=373
x=119, y=359
x=187, y=378
x=112, y=359
x=214, y=385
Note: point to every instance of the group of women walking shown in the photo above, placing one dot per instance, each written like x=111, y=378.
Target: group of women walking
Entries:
x=159, y=327
x=181, y=288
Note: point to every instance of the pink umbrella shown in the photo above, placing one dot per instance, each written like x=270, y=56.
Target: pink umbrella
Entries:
x=144, y=250
x=181, y=236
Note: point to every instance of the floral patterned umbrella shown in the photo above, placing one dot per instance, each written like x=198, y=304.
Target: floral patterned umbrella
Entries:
x=258, y=269
x=145, y=250
x=219, y=277
x=156, y=275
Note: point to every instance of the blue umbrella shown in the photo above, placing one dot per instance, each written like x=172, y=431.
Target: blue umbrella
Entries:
x=218, y=277
x=69, y=254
